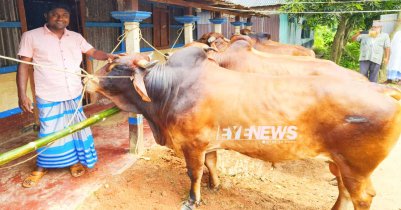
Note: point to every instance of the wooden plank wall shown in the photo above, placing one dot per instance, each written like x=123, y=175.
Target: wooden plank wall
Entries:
x=102, y=38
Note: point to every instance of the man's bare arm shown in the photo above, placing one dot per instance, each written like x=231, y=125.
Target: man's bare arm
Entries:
x=353, y=39
x=100, y=55
x=22, y=80
x=388, y=51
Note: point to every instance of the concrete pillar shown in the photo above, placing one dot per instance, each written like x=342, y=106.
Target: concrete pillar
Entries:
x=217, y=24
x=133, y=40
x=131, y=21
x=188, y=35
x=188, y=22
x=237, y=26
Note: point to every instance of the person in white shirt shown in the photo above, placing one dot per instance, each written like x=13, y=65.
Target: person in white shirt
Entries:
x=394, y=64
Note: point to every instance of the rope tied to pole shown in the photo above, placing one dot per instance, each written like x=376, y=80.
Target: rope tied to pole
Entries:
x=179, y=32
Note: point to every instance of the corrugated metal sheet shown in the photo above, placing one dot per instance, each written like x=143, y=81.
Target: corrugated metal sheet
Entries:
x=9, y=37
x=389, y=22
x=102, y=38
x=272, y=26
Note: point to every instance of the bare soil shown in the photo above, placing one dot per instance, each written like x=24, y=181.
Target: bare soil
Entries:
x=162, y=183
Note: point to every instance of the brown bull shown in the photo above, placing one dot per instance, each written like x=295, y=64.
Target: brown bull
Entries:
x=239, y=55
x=263, y=43
x=195, y=108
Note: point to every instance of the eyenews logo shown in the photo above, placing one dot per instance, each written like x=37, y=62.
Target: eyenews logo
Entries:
x=270, y=134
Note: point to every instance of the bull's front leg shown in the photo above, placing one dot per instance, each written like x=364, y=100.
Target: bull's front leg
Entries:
x=194, y=158
x=211, y=164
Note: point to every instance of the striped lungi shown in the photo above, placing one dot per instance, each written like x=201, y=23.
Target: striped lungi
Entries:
x=78, y=147
x=393, y=75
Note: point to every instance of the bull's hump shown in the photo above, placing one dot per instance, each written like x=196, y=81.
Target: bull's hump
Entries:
x=189, y=56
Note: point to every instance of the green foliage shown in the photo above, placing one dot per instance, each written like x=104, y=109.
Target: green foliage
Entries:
x=331, y=19
x=323, y=42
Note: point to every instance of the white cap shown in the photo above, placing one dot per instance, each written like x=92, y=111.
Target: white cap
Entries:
x=376, y=23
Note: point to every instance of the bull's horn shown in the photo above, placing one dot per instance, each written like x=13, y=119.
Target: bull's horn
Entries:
x=227, y=40
x=257, y=52
x=211, y=39
x=146, y=64
x=208, y=48
x=111, y=66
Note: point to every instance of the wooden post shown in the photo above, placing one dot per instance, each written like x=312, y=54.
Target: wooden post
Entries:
x=24, y=28
x=249, y=23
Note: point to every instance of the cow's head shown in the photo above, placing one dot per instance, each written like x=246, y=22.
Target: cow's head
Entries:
x=133, y=67
x=245, y=31
x=260, y=37
x=215, y=40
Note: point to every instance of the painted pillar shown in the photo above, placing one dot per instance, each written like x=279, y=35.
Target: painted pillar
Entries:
x=188, y=22
x=249, y=23
x=237, y=25
x=217, y=24
x=131, y=21
x=217, y=21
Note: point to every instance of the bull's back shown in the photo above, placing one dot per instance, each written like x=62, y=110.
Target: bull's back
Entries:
x=329, y=114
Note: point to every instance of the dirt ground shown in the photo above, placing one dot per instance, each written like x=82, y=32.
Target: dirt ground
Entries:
x=162, y=183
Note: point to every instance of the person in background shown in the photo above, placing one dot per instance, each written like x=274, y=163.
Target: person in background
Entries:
x=394, y=65
x=58, y=93
x=373, y=46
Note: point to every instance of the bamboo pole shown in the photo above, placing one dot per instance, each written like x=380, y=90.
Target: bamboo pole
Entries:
x=32, y=146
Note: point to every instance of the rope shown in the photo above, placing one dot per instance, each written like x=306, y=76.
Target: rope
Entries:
x=48, y=67
x=121, y=38
x=48, y=145
x=179, y=32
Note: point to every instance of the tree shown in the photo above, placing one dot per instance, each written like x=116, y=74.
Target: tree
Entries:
x=346, y=23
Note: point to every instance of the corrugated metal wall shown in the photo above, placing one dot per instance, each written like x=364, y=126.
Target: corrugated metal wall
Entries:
x=102, y=38
x=389, y=21
x=9, y=37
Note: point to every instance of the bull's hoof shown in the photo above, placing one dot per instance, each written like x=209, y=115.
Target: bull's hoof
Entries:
x=188, y=206
x=213, y=191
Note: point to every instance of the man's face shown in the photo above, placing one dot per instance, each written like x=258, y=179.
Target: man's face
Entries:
x=376, y=28
x=58, y=19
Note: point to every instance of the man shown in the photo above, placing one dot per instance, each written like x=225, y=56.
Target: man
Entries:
x=373, y=46
x=394, y=65
x=58, y=93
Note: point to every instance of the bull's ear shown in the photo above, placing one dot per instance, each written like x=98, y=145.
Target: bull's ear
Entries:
x=139, y=85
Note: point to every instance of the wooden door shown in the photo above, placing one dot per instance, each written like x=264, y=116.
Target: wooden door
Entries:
x=161, y=28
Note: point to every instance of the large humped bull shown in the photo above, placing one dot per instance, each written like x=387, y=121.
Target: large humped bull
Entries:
x=196, y=107
x=238, y=55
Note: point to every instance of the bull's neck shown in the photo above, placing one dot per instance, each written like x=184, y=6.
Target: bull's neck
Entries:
x=158, y=82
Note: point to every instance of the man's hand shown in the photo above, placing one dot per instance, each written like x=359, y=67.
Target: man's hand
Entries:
x=111, y=57
x=385, y=61
x=25, y=104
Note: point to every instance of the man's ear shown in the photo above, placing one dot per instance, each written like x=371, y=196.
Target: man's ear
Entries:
x=45, y=16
